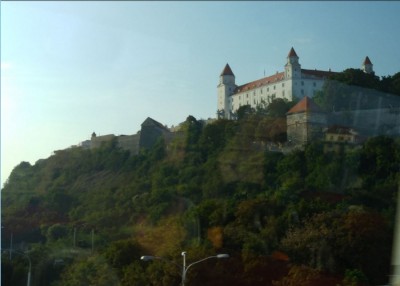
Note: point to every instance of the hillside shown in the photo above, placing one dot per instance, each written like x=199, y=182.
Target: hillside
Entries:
x=327, y=217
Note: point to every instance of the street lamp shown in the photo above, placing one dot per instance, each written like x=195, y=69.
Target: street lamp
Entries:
x=28, y=282
x=184, y=268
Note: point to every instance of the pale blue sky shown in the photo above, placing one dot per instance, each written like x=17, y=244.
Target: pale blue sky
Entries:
x=71, y=68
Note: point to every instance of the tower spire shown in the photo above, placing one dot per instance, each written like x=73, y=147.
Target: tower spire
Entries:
x=227, y=70
x=292, y=53
x=292, y=67
x=367, y=66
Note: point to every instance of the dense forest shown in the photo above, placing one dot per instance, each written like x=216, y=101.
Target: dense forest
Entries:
x=305, y=217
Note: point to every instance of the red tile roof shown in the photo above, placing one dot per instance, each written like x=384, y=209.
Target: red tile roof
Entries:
x=292, y=53
x=305, y=105
x=367, y=61
x=260, y=82
x=227, y=71
x=317, y=73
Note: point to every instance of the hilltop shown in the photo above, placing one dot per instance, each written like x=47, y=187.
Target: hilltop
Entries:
x=213, y=189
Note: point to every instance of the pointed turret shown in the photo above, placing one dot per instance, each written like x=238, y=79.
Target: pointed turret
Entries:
x=292, y=67
x=367, y=61
x=367, y=66
x=226, y=88
x=292, y=53
x=227, y=71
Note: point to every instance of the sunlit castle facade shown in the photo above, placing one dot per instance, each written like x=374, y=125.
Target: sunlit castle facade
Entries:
x=293, y=82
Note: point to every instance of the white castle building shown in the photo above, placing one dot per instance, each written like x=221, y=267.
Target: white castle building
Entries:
x=293, y=82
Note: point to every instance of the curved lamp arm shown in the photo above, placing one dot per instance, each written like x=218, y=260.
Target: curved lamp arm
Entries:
x=149, y=258
x=183, y=268
x=201, y=260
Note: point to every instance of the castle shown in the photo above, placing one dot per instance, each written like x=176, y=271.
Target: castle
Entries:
x=306, y=121
x=293, y=82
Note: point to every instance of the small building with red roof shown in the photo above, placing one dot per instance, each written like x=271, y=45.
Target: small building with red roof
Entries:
x=305, y=121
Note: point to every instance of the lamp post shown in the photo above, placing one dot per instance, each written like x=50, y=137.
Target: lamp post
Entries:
x=28, y=282
x=184, y=269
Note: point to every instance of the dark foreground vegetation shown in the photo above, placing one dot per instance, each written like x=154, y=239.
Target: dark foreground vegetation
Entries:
x=306, y=217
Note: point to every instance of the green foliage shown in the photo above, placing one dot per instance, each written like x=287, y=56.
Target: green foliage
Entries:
x=279, y=107
x=90, y=271
x=353, y=277
x=380, y=160
x=56, y=231
x=244, y=111
x=215, y=188
x=121, y=253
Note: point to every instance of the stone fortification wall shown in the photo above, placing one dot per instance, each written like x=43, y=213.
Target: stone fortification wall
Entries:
x=96, y=141
x=130, y=143
x=370, y=122
x=149, y=134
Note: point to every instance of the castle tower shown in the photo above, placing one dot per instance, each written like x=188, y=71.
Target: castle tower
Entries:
x=367, y=66
x=225, y=88
x=305, y=122
x=292, y=67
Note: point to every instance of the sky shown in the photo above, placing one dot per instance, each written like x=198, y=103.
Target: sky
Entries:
x=72, y=68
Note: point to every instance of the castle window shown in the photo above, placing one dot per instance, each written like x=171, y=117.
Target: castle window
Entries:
x=267, y=88
x=261, y=91
x=283, y=93
x=302, y=83
x=247, y=95
x=314, y=84
x=283, y=84
x=302, y=92
x=274, y=87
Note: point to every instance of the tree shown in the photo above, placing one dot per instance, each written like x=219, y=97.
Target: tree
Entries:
x=278, y=107
x=121, y=253
x=90, y=271
x=379, y=161
x=244, y=111
x=306, y=276
x=57, y=231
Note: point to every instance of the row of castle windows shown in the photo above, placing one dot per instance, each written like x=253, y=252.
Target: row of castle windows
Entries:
x=274, y=88
x=261, y=91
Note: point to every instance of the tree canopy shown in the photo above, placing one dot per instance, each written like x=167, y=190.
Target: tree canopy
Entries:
x=216, y=189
